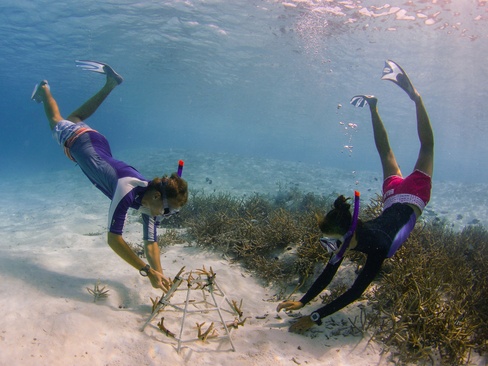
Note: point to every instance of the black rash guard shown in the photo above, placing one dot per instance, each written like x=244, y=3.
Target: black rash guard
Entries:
x=374, y=238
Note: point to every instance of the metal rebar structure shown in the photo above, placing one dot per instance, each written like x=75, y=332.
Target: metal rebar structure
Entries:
x=203, y=297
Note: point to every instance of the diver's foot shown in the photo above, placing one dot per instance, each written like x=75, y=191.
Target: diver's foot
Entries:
x=112, y=74
x=362, y=100
x=100, y=67
x=393, y=72
x=38, y=92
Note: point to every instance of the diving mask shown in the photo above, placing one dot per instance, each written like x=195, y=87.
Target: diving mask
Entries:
x=330, y=244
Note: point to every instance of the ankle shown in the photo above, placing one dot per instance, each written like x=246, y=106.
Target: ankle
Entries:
x=111, y=83
x=418, y=99
x=373, y=106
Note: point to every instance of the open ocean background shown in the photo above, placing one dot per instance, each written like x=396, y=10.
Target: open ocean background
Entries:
x=254, y=96
x=254, y=79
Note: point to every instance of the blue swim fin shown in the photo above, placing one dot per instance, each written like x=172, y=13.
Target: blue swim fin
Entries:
x=99, y=67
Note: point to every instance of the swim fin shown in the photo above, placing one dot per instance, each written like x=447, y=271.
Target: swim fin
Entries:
x=393, y=72
x=362, y=100
x=36, y=97
x=99, y=67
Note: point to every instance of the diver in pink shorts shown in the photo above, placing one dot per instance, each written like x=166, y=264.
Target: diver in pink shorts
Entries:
x=404, y=200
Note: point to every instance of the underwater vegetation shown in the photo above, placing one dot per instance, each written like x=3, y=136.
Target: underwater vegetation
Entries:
x=431, y=297
x=275, y=237
x=428, y=303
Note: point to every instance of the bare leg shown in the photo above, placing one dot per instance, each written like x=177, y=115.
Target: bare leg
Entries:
x=92, y=104
x=388, y=161
x=425, y=161
x=50, y=106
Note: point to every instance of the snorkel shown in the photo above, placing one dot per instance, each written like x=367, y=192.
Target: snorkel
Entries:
x=346, y=239
x=180, y=167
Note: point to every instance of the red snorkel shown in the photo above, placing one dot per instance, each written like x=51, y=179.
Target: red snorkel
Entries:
x=348, y=236
x=180, y=167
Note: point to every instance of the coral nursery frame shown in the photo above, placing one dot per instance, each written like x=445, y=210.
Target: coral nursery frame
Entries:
x=203, y=298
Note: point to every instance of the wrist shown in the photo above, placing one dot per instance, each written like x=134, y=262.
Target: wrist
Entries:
x=315, y=317
x=145, y=271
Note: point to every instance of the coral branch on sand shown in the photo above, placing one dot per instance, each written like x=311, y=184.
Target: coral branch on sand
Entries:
x=163, y=329
x=97, y=292
x=235, y=324
x=211, y=332
x=237, y=308
x=155, y=303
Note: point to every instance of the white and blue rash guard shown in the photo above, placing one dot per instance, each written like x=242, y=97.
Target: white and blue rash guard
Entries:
x=120, y=182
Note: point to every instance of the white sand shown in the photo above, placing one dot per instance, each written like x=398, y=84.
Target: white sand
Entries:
x=52, y=247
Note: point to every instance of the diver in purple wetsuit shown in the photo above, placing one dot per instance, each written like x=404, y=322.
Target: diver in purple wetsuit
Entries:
x=121, y=183
x=403, y=202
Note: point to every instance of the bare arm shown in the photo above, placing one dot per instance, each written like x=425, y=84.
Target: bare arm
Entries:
x=119, y=246
x=153, y=255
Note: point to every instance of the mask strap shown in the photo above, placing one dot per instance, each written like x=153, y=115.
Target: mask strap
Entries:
x=166, y=209
x=165, y=200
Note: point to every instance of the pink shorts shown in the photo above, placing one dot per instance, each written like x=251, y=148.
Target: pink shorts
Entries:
x=414, y=189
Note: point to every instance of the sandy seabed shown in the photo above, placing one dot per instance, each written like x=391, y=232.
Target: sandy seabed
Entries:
x=53, y=247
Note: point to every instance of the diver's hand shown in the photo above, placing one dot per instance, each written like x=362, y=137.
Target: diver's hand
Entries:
x=301, y=325
x=289, y=305
x=158, y=280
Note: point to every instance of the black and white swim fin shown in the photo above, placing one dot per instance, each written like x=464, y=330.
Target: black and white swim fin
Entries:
x=393, y=72
x=99, y=67
x=362, y=100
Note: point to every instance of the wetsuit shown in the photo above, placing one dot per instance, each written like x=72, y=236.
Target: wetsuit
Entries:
x=120, y=182
x=375, y=238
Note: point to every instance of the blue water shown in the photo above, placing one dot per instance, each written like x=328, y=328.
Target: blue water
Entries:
x=259, y=78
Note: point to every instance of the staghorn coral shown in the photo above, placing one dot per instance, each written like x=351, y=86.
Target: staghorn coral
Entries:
x=433, y=301
x=97, y=292
x=429, y=301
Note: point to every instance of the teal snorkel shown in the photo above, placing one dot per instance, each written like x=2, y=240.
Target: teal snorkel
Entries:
x=346, y=239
